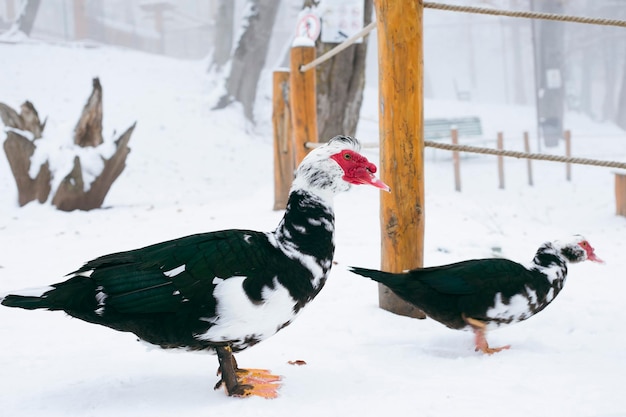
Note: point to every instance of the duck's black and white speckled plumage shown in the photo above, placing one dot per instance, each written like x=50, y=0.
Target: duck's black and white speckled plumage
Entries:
x=225, y=290
x=484, y=294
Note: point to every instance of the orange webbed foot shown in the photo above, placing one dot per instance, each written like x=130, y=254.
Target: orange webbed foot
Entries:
x=258, y=382
x=240, y=382
x=480, y=337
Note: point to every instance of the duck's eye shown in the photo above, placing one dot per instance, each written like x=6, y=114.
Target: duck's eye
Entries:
x=347, y=156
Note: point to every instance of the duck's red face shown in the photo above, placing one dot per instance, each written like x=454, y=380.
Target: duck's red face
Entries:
x=357, y=169
x=591, y=255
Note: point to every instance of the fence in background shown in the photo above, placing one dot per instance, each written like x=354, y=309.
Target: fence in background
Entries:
x=400, y=54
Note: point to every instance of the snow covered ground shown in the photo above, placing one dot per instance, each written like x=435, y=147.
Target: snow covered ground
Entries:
x=192, y=170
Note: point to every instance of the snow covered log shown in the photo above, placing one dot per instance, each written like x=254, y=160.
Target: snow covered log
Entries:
x=71, y=194
x=74, y=190
x=27, y=119
x=19, y=151
x=88, y=131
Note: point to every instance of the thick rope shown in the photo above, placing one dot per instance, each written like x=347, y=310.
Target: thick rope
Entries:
x=466, y=9
x=343, y=45
x=529, y=15
x=525, y=155
x=513, y=154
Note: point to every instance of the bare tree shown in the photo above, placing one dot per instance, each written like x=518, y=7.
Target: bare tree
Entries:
x=549, y=67
x=249, y=57
x=597, y=60
x=26, y=19
x=610, y=57
x=620, y=117
x=223, y=39
x=519, y=96
x=340, y=82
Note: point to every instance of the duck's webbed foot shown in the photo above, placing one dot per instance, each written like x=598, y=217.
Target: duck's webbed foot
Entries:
x=244, y=382
x=480, y=337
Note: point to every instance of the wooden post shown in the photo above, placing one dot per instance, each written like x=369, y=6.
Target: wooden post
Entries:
x=620, y=193
x=528, y=161
x=456, y=160
x=10, y=10
x=302, y=98
x=567, y=135
x=500, y=161
x=284, y=160
x=80, y=20
x=400, y=75
x=159, y=8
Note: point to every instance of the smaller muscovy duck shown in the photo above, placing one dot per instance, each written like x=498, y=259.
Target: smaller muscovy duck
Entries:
x=484, y=294
x=221, y=291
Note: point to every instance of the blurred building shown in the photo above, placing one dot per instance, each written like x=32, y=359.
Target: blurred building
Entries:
x=180, y=28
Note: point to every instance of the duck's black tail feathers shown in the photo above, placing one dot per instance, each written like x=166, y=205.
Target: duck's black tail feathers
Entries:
x=75, y=292
x=386, y=278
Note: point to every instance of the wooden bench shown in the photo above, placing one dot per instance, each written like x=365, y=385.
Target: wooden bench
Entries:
x=469, y=130
x=436, y=129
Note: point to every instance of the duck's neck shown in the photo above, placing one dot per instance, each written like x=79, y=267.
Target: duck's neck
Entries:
x=306, y=235
x=308, y=225
x=552, y=264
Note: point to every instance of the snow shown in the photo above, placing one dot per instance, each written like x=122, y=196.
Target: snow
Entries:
x=59, y=151
x=193, y=170
x=302, y=41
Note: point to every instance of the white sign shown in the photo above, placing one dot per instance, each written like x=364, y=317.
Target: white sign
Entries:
x=553, y=78
x=309, y=26
x=341, y=19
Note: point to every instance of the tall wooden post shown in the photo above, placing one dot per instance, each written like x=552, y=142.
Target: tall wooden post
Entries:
x=80, y=20
x=567, y=135
x=400, y=61
x=302, y=98
x=284, y=160
x=528, y=161
x=500, y=144
x=159, y=8
x=620, y=193
x=456, y=160
x=10, y=10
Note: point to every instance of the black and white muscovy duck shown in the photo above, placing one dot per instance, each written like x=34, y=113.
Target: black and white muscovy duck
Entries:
x=222, y=291
x=484, y=294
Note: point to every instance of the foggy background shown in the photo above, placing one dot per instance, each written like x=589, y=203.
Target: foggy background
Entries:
x=193, y=169
x=467, y=56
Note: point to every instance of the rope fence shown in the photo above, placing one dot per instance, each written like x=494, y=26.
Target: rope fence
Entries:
x=526, y=14
x=402, y=231
x=468, y=9
x=302, y=67
x=498, y=152
x=343, y=45
x=526, y=155
x=493, y=12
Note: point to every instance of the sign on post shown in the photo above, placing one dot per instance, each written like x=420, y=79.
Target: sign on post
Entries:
x=342, y=19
